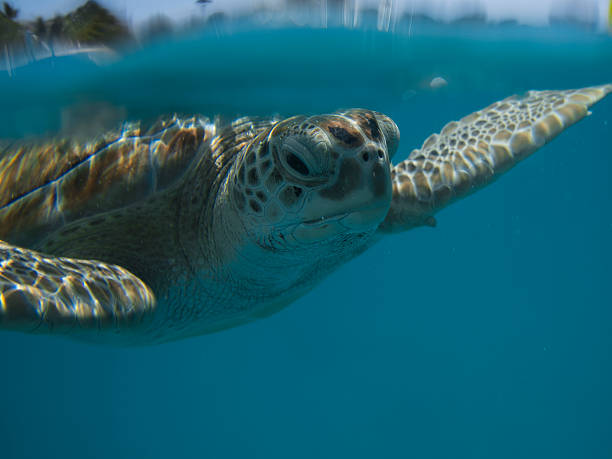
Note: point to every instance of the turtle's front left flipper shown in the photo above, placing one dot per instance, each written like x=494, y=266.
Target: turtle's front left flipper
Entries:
x=48, y=294
x=471, y=153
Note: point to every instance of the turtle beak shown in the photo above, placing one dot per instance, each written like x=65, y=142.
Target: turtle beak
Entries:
x=368, y=190
x=357, y=201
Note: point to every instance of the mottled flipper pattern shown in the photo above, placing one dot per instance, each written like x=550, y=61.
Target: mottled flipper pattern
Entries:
x=471, y=153
x=42, y=294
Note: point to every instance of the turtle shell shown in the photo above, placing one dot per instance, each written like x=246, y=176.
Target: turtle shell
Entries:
x=45, y=185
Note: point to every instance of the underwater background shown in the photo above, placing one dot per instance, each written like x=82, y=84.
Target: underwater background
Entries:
x=489, y=336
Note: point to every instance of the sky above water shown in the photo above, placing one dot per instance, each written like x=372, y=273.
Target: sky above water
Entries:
x=534, y=12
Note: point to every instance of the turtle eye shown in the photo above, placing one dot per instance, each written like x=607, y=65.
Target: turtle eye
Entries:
x=295, y=163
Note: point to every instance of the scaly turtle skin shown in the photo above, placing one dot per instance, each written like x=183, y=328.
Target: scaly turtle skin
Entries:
x=191, y=227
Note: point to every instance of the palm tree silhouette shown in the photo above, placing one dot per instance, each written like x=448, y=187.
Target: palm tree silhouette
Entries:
x=9, y=11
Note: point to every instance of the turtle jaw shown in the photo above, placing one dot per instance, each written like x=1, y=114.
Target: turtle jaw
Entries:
x=365, y=220
x=357, y=202
x=361, y=221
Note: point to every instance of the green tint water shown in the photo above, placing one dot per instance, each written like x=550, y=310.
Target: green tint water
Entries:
x=489, y=336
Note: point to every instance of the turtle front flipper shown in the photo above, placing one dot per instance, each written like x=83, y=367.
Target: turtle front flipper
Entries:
x=471, y=153
x=46, y=294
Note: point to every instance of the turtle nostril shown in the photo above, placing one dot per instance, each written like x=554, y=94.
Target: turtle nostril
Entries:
x=381, y=154
x=365, y=156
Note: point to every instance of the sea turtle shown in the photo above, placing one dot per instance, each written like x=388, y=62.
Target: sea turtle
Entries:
x=189, y=227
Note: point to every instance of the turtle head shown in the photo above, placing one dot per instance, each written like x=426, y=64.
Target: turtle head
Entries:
x=308, y=180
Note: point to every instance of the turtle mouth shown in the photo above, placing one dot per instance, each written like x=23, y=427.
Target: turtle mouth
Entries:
x=358, y=220
x=325, y=219
x=317, y=230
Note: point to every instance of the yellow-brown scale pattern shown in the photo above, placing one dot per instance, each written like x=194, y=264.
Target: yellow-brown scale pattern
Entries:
x=43, y=186
x=469, y=154
x=39, y=293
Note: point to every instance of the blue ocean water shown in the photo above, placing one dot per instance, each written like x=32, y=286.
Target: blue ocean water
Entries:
x=489, y=336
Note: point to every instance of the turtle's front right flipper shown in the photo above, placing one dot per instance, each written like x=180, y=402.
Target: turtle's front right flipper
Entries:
x=471, y=153
x=40, y=293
